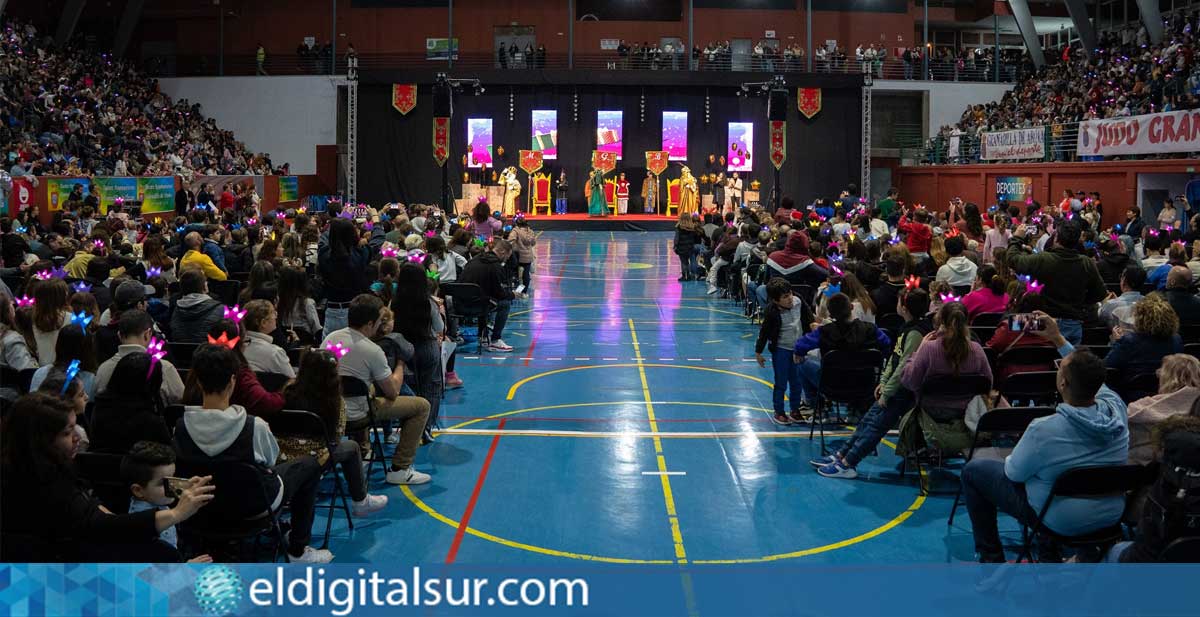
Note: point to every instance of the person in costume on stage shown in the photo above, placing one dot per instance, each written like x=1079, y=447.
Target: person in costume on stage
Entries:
x=689, y=193
x=735, y=191
x=650, y=194
x=560, y=203
x=622, y=194
x=719, y=192
x=597, y=206
x=512, y=190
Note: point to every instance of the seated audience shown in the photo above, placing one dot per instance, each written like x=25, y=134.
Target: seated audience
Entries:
x=130, y=409
x=843, y=333
x=195, y=257
x=1089, y=428
x=145, y=469
x=958, y=271
x=1118, y=310
x=195, y=312
x=988, y=293
x=1178, y=294
x=136, y=330
x=74, y=343
x=1178, y=389
x=1155, y=336
x=262, y=354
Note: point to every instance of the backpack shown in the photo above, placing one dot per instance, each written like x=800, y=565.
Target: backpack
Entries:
x=1172, y=509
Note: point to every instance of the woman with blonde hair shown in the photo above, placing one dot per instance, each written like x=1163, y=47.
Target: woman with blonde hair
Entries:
x=1155, y=336
x=937, y=251
x=1178, y=389
x=293, y=250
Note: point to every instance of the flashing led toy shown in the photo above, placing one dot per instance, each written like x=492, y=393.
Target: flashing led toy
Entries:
x=389, y=251
x=59, y=273
x=301, y=210
x=1089, y=245
x=224, y=340
x=346, y=214
x=235, y=314
x=433, y=275
x=81, y=319
x=153, y=271
x=280, y=215
x=912, y=282
x=836, y=270
x=431, y=233
x=98, y=243
x=180, y=230
x=948, y=298
x=43, y=275
x=416, y=256
x=814, y=224
x=337, y=349
x=72, y=371
x=1154, y=232
x=22, y=229
x=836, y=257
x=833, y=244
x=953, y=233
x=507, y=228
x=155, y=349
x=81, y=287
x=25, y=302
x=479, y=241
x=894, y=240
x=251, y=221
x=368, y=225
x=1114, y=237
x=832, y=290
x=1167, y=228
x=1034, y=287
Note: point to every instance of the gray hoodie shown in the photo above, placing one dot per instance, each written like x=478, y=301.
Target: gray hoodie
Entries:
x=1072, y=437
x=958, y=271
x=194, y=315
x=214, y=431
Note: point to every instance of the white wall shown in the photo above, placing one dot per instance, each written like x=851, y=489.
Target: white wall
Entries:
x=945, y=101
x=286, y=117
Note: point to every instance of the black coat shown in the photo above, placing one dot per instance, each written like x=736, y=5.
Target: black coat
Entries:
x=487, y=272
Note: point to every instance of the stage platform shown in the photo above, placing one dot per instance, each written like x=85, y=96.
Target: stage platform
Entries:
x=582, y=222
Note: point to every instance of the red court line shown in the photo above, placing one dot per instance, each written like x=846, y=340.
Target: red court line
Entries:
x=466, y=518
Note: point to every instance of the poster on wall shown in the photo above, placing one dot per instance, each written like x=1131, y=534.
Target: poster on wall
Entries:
x=289, y=188
x=608, y=132
x=1013, y=190
x=1170, y=131
x=1014, y=145
x=439, y=49
x=741, y=145
x=674, y=134
x=111, y=188
x=21, y=196
x=58, y=189
x=157, y=194
x=479, y=142
x=545, y=133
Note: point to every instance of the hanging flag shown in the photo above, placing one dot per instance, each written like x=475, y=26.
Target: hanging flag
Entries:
x=656, y=161
x=404, y=97
x=808, y=100
x=441, y=140
x=778, y=130
x=531, y=160
x=604, y=161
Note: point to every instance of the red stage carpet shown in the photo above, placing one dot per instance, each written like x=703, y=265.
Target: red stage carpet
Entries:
x=580, y=221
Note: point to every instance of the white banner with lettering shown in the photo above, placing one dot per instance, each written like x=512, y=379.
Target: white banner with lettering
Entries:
x=1014, y=145
x=1171, y=131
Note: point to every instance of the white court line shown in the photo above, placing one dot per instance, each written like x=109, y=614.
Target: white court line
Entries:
x=664, y=473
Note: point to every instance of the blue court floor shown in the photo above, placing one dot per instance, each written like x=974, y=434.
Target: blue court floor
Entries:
x=632, y=425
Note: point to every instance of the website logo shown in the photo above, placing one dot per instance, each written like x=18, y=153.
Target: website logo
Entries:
x=218, y=591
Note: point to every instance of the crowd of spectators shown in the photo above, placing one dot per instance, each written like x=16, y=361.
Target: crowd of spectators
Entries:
x=75, y=112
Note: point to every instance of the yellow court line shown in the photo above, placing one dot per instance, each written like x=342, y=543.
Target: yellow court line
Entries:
x=668, y=496
x=517, y=386
x=598, y=404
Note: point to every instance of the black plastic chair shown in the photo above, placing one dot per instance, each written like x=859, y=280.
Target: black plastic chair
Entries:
x=946, y=386
x=103, y=474
x=240, y=509
x=1192, y=349
x=1181, y=550
x=1003, y=421
x=806, y=293
x=172, y=414
x=1100, y=351
x=226, y=292
x=18, y=380
x=272, y=382
x=467, y=302
x=1035, y=387
x=353, y=387
x=294, y=354
x=1026, y=355
x=982, y=334
x=848, y=378
x=1089, y=483
x=300, y=423
x=987, y=320
x=1132, y=388
x=891, y=323
x=1097, y=336
x=180, y=354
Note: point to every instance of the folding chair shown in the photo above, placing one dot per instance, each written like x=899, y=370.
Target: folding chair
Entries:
x=891, y=323
x=1192, y=349
x=180, y=354
x=468, y=302
x=20, y=380
x=1089, y=483
x=1097, y=336
x=226, y=292
x=946, y=386
x=272, y=382
x=103, y=473
x=1026, y=356
x=1010, y=421
x=300, y=423
x=982, y=334
x=240, y=509
x=1035, y=387
x=1181, y=550
x=991, y=320
x=354, y=387
x=848, y=378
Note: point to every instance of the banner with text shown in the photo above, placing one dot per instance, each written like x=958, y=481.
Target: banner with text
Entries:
x=1013, y=189
x=21, y=196
x=157, y=194
x=289, y=188
x=1014, y=145
x=59, y=189
x=1172, y=131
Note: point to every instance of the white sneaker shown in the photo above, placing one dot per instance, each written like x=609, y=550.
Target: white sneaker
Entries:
x=312, y=555
x=712, y=290
x=499, y=345
x=373, y=503
x=407, y=476
x=394, y=438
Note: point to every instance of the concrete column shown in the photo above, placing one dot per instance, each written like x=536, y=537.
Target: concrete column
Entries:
x=129, y=19
x=66, y=24
x=1083, y=25
x=1152, y=18
x=1020, y=10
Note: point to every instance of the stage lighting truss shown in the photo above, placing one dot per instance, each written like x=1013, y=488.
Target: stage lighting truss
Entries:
x=762, y=88
x=472, y=87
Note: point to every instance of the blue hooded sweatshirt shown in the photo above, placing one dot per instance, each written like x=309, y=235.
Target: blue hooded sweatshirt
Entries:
x=1072, y=437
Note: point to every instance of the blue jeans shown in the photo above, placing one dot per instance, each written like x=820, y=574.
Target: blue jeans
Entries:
x=987, y=490
x=1072, y=330
x=498, y=323
x=876, y=424
x=787, y=378
x=336, y=319
x=810, y=379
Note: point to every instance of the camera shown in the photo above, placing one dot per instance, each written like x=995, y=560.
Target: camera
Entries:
x=1025, y=322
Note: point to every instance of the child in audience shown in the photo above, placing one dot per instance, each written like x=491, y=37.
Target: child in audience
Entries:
x=73, y=343
x=844, y=333
x=988, y=295
x=785, y=320
x=145, y=470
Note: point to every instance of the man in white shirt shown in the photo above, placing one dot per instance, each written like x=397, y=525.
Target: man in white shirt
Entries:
x=135, y=330
x=362, y=359
x=262, y=354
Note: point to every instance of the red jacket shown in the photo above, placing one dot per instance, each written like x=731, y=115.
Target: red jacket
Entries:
x=919, y=235
x=227, y=200
x=250, y=394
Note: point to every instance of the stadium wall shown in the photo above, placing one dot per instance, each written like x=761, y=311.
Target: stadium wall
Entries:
x=945, y=102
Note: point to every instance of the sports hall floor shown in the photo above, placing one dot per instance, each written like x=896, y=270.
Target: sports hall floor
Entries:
x=558, y=450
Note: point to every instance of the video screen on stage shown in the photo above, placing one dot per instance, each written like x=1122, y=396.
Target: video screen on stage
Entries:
x=479, y=142
x=545, y=133
x=741, y=144
x=674, y=135
x=608, y=132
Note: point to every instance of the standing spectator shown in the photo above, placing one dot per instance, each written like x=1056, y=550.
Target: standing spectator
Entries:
x=1072, y=283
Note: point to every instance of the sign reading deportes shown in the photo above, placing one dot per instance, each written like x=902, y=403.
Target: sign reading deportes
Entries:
x=1171, y=131
x=1014, y=145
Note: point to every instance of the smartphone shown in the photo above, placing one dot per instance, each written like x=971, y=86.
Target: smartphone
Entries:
x=1024, y=322
x=174, y=486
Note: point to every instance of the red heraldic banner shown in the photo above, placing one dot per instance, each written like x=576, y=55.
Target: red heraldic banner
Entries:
x=531, y=160
x=404, y=97
x=604, y=161
x=656, y=161
x=808, y=100
x=441, y=140
x=778, y=143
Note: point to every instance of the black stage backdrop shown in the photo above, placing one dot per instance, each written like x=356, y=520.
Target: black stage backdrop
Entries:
x=395, y=161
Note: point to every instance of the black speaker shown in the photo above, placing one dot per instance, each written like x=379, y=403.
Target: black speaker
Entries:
x=443, y=107
x=777, y=105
